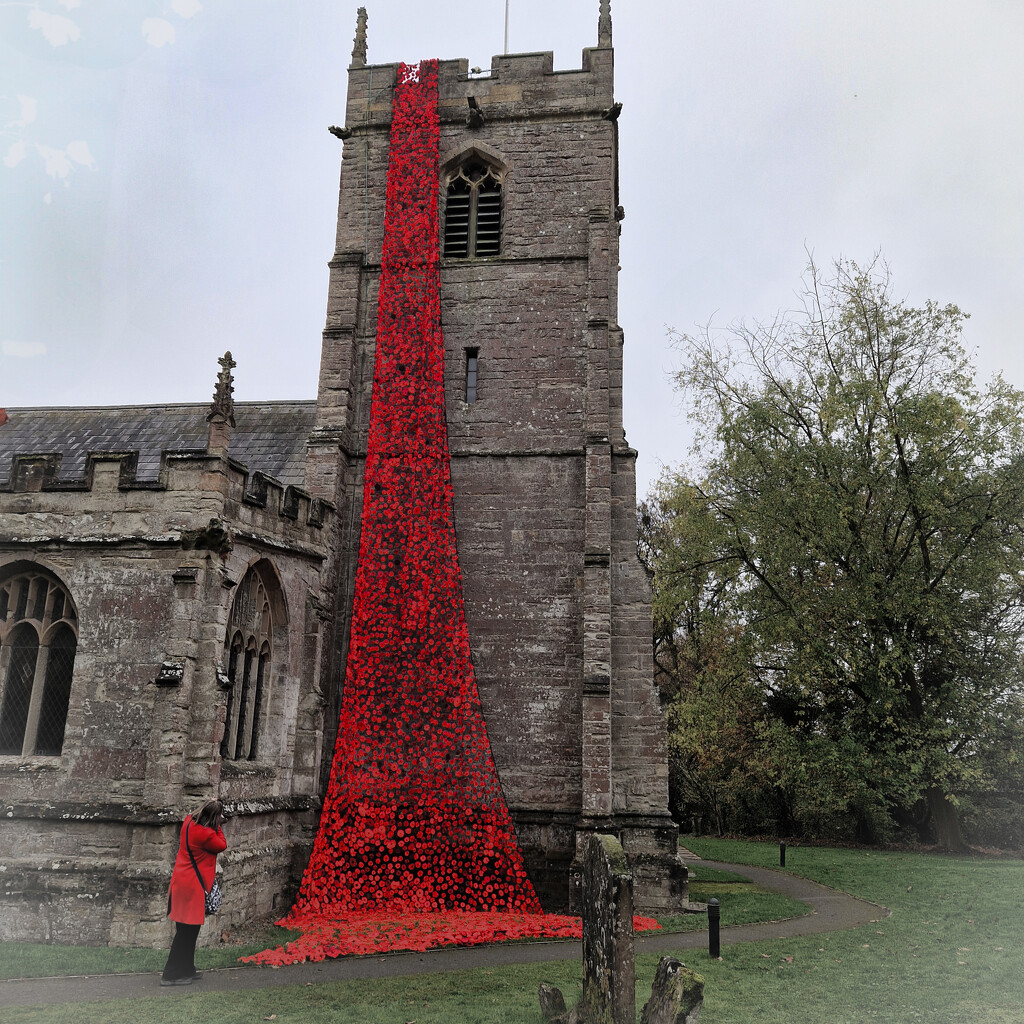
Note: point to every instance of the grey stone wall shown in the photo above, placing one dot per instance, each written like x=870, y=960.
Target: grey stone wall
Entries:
x=87, y=838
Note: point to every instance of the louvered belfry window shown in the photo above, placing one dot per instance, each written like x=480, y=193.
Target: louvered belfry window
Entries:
x=38, y=640
x=472, y=221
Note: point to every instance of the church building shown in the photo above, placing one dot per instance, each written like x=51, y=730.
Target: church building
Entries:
x=176, y=581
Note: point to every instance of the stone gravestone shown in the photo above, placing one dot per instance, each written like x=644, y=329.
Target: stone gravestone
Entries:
x=676, y=996
x=609, y=981
x=609, y=989
x=609, y=995
x=552, y=1002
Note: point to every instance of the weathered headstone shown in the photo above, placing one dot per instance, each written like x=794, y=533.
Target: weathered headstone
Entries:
x=552, y=1002
x=609, y=995
x=609, y=979
x=676, y=996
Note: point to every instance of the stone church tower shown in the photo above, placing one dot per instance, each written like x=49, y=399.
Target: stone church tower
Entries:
x=557, y=604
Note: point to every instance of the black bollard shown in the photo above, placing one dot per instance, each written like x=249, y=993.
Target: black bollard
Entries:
x=782, y=854
x=714, y=921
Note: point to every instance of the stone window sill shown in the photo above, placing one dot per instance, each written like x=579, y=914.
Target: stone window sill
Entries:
x=13, y=764
x=247, y=770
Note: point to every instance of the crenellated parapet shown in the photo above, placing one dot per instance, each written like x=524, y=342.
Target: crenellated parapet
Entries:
x=180, y=470
x=519, y=87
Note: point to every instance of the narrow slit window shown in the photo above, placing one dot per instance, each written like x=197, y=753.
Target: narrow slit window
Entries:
x=472, y=355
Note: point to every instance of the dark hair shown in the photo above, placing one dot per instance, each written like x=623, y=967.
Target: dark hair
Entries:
x=209, y=814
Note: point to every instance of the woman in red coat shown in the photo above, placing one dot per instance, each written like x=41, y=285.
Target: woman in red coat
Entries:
x=201, y=840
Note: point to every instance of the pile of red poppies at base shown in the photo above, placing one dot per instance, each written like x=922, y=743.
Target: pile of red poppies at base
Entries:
x=362, y=934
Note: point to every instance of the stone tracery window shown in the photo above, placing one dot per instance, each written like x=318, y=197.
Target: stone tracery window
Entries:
x=249, y=646
x=38, y=640
x=472, y=220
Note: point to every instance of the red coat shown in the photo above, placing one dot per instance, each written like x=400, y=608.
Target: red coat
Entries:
x=186, y=902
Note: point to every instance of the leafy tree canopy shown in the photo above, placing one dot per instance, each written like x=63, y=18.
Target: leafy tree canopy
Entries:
x=843, y=583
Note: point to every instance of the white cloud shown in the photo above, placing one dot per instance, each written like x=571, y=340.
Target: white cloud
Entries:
x=29, y=109
x=48, y=198
x=15, y=154
x=58, y=30
x=23, y=349
x=70, y=4
x=57, y=163
x=157, y=31
x=186, y=8
x=79, y=152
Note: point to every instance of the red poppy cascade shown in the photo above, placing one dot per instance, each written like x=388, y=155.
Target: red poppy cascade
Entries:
x=415, y=846
x=414, y=818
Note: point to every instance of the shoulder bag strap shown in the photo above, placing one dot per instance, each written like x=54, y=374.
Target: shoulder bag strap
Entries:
x=192, y=858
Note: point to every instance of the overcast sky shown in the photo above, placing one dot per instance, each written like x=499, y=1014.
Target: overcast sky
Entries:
x=168, y=188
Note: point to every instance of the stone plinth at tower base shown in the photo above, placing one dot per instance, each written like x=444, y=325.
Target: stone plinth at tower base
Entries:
x=650, y=844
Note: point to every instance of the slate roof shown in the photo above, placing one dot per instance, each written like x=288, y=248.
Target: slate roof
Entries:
x=269, y=437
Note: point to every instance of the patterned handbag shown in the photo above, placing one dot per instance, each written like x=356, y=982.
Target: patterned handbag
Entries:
x=214, y=896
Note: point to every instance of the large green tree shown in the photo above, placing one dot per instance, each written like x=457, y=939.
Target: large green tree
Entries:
x=855, y=541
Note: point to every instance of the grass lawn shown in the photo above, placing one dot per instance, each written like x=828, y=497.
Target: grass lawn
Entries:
x=742, y=902
x=38, y=960
x=950, y=953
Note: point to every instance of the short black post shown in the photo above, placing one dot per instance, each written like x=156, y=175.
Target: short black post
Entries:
x=782, y=854
x=714, y=921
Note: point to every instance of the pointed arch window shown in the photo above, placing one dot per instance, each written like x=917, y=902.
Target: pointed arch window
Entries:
x=472, y=219
x=38, y=640
x=249, y=656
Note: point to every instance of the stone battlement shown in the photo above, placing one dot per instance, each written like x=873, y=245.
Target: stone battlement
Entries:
x=138, y=450
x=518, y=87
x=182, y=469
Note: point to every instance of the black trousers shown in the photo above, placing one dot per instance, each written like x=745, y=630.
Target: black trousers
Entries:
x=181, y=959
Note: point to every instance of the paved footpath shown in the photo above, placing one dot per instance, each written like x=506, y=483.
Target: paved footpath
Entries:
x=831, y=911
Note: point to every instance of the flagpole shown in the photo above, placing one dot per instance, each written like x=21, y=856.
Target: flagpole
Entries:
x=506, y=26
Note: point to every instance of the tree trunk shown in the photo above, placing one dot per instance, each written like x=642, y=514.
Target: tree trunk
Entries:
x=945, y=822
